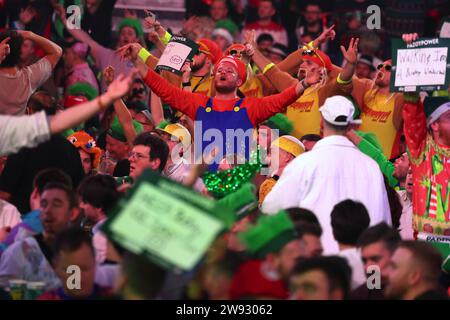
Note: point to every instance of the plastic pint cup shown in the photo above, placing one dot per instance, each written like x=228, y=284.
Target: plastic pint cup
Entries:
x=17, y=289
x=34, y=290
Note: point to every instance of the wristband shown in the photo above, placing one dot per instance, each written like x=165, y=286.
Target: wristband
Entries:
x=144, y=54
x=166, y=38
x=340, y=81
x=269, y=66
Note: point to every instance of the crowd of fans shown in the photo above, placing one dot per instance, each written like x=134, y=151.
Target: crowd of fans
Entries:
x=347, y=198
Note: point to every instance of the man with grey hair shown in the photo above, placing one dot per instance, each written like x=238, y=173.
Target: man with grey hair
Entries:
x=333, y=171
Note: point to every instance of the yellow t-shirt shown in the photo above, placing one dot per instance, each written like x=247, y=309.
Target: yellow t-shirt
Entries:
x=252, y=87
x=304, y=113
x=377, y=117
x=204, y=87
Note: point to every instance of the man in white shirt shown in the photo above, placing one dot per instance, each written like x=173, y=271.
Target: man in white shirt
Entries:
x=334, y=170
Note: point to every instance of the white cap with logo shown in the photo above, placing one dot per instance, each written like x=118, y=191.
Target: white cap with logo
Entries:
x=339, y=111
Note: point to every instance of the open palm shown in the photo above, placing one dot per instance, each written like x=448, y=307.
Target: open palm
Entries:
x=121, y=85
x=351, y=54
x=4, y=49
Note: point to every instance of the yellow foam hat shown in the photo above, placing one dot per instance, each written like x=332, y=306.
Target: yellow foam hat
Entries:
x=289, y=144
x=179, y=131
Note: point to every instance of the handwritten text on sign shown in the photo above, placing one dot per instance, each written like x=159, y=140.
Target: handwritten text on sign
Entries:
x=424, y=66
x=165, y=226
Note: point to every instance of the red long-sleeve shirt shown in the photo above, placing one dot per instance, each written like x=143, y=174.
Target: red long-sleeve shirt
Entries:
x=258, y=109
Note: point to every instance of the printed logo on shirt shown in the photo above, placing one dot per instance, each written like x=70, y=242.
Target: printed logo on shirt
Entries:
x=301, y=106
x=376, y=116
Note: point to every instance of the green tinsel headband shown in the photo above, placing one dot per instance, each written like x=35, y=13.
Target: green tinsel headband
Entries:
x=222, y=183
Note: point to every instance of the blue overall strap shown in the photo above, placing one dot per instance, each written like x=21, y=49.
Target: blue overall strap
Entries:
x=239, y=102
x=209, y=103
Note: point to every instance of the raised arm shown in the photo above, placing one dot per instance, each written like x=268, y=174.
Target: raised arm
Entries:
x=386, y=167
x=186, y=76
x=184, y=101
x=156, y=109
x=123, y=114
x=29, y=131
x=78, y=34
x=53, y=52
x=414, y=118
x=76, y=115
x=292, y=62
x=350, y=56
x=414, y=124
x=261, y=109
x=279, y=79
x=163, y=35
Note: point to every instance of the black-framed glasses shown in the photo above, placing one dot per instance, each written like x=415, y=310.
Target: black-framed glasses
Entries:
x=386, y=67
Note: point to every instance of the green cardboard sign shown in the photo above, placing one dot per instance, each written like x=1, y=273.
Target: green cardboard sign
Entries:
x=422, y=65
x=170, y=224
x=177, y=51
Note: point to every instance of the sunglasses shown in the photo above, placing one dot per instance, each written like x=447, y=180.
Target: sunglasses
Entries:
x=235, y=52
x=312, y=52
x=386, y=67
x=200, y=51
x=308, y=52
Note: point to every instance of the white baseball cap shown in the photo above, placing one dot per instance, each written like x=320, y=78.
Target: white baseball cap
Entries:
x=339, y=111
